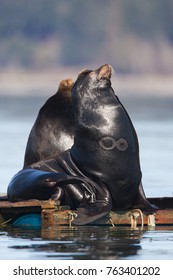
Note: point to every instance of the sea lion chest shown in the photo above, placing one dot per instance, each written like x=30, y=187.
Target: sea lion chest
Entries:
x=106, y=148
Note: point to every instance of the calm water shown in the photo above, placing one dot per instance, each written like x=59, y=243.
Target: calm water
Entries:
x=153, y=120
x=86, y=243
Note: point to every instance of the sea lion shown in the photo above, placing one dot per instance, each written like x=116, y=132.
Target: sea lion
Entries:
x=102, y=170
x=53, y=130
x=105, y=144
x=59, y=178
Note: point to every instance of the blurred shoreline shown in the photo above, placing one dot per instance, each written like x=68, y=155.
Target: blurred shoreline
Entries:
x=22, y=82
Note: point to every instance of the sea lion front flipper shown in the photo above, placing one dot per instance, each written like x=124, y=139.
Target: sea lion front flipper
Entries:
x=32, y=183
x=142, y=203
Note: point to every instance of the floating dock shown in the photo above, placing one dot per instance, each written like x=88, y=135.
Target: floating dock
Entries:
x=51, y=213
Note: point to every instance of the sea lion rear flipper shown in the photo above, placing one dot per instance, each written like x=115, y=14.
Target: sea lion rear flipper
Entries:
x=92, y=212
x=142, y=203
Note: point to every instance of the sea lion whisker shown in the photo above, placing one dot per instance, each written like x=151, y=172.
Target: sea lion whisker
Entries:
x=113, y=72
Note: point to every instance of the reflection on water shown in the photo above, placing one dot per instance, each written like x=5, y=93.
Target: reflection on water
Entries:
x=87, y=243
x=153, y=121
x=75, y=243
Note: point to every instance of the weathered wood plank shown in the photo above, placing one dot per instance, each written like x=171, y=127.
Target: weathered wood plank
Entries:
x=52, y=213
x=52, y=217
x=44, y=204
x=164, y=217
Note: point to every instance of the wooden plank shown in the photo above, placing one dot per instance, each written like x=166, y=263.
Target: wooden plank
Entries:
x=52, y=217
x=63, y=217
x=161, y=217
x=44, y=204
x=55, y=217
x=164, y=217
x=161, y=202
x=54, y=214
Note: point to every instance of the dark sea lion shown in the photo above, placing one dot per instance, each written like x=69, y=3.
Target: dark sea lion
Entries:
x=53, y=130
x=59, y=178
x=102, y=170
x=105, y=144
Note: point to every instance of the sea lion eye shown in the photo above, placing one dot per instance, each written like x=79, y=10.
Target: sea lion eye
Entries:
x=109, y=143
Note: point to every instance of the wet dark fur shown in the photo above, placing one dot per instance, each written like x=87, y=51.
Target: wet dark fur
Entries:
x=105, y=144
x=53, y=130
x=102, y=169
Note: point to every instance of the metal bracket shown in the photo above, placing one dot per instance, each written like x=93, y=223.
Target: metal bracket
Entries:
x=135, y=214
x=110, y=220
x=72, y=216
x=151, y=220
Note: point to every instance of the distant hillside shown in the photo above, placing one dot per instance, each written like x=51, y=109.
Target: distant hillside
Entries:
x=132, y=35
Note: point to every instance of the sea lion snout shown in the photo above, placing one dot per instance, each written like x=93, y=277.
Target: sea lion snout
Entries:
x=67, y=83
x=104, y=72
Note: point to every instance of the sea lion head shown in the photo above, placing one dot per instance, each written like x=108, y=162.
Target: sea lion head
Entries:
x=105, y=144
x=65, y=88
